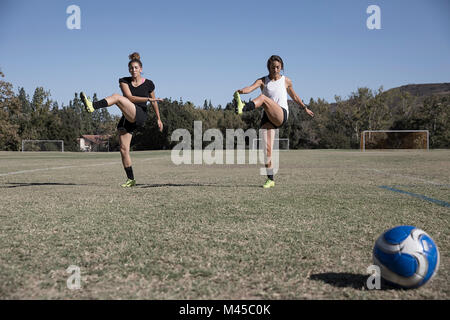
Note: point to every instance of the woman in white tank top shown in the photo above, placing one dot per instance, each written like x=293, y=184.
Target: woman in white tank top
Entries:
x=273, y=99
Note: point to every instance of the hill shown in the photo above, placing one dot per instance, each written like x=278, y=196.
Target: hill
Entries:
x=419, y=91
x=425, y=90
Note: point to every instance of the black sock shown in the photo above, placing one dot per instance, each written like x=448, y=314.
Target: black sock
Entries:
x=129, y=172
x=270, y=173
x=100, y=104
x=249, y=106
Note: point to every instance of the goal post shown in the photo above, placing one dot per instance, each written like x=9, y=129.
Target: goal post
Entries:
x=395, y=139
x=43, y=145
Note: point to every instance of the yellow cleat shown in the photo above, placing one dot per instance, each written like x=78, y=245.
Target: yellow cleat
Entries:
x=130, y=183
x=87, y=103
x=238, y=105
x=269, y=184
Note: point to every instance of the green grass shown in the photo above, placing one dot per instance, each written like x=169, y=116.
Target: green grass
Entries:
x=212, y=232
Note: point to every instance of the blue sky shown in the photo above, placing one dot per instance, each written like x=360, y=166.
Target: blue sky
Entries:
x=197, y=50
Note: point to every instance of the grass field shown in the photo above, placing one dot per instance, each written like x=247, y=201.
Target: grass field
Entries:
x=212, y=232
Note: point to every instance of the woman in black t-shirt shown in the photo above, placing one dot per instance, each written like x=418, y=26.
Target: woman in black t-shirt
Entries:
x=136, y=91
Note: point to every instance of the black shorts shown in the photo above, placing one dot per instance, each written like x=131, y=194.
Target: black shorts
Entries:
x=141, y=117
x=265, y=119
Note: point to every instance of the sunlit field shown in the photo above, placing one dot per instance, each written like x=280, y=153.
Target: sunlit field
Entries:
x=212, y=231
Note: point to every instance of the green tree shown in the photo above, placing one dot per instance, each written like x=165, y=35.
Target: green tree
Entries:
x=10, y=112
x=434, y=115
x=352, y=114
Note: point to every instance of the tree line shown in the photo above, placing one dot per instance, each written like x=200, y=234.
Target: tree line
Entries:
x=335, y=125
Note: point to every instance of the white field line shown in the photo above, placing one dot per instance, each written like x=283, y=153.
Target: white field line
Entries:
x=406, y=176
x=70, y=167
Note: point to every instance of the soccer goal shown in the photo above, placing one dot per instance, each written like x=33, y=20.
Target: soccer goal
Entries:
x=395, y=139
x=43, y=145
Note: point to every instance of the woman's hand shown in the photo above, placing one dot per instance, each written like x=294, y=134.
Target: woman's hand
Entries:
x=309, y=111
x=160, y=125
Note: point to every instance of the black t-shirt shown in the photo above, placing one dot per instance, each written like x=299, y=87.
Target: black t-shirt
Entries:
x=143, y=90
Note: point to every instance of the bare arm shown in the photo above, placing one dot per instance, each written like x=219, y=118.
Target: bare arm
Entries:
x=257, y=84
x=127, y=93
x=155, y=104
x=156, y=108
x=295, y=97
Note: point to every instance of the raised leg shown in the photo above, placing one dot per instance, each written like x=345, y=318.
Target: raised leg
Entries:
x=125, y=105
x=273, y=110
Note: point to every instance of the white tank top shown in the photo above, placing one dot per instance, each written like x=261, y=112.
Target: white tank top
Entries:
x=276, y=90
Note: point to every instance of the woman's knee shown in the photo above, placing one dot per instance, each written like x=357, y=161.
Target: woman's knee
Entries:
x=124, y=101
x=114, y=98
x=264, y=98
x=124, y=149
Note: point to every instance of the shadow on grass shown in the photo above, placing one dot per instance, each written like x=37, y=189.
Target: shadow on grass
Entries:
x=349, y=280
x=32, y=184
x=155, y=185
x=161, y=185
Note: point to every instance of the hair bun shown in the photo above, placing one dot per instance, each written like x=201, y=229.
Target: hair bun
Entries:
x=134, y=56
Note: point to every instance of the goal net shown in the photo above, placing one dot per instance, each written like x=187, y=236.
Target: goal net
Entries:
x=43, y=145
x=395, y=139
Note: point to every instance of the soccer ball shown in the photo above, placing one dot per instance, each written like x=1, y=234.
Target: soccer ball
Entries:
x=406, y=256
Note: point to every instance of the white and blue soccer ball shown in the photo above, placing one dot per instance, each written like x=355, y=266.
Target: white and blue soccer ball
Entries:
x=406, y=256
